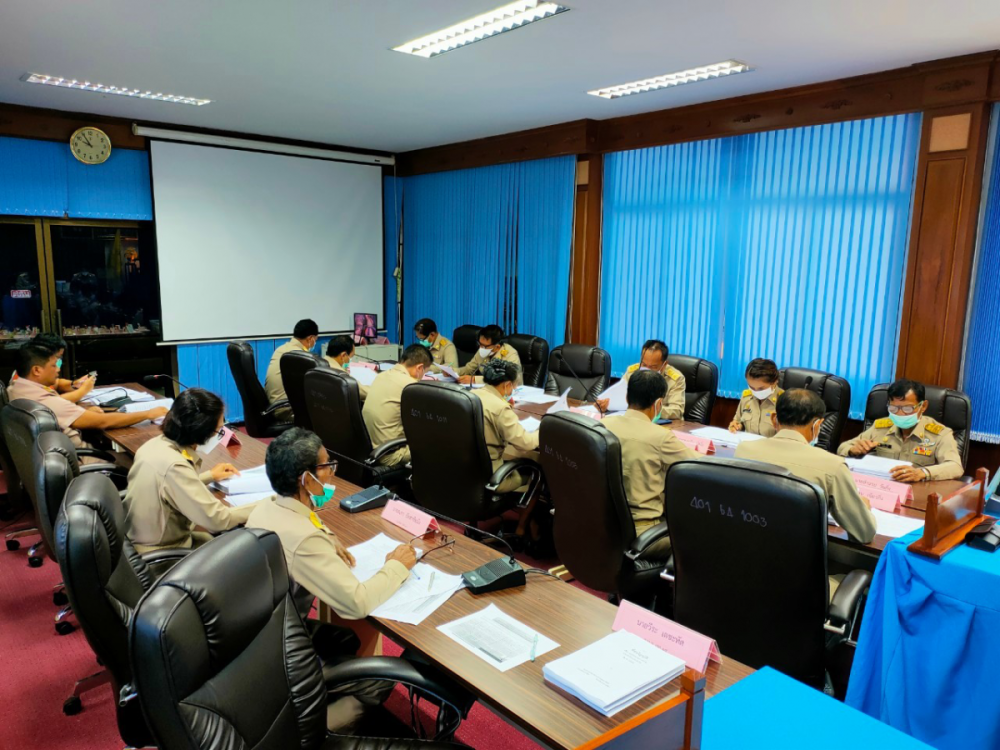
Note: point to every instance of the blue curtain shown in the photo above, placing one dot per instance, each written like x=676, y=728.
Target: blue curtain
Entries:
x=490, y=245
x=786, y=244
x=982, y=349
x=41, y=178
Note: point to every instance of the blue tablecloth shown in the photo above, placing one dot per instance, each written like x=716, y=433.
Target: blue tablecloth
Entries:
x=769, y=711
x=929, y=645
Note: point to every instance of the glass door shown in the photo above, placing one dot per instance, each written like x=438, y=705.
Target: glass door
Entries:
x=24, y=309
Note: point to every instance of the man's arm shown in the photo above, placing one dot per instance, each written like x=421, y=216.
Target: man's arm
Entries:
x=450, y=356
x=471, y=367
x=950, y=460
x=78, y=394
x=848, y=508
x=673, y=450
x=861, y=442
x=96, y=420
x=673, y=408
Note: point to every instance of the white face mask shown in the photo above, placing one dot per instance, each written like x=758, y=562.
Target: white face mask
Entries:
x=761, y=395
x=209, y=445
x=485, y=352
x=815, y=440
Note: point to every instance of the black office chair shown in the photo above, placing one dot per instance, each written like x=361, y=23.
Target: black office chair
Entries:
x=16, y=502
x=584, y=369
x=294, y=366
x=452, y=473
x=222, y=658
x=836, y=394
x=749, y=544
x=592, y=525
x=949, y=407
x=334, y=407
x=466, y=341
x=701, y=382
x=258, y=414
x=534, y=354
x=105, y=578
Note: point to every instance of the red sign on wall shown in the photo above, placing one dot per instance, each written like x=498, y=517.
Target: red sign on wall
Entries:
x=20, y=293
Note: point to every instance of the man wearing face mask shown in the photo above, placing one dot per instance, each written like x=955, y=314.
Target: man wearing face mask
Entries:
x=304, y=337
x=759, y=400
x=491, y=346
x=908, y=434
x=168, y=492
x=443, y=351
x=797, y=421
x=504, y=433
x=339, y=351
x=381, y=410
x=654, y=357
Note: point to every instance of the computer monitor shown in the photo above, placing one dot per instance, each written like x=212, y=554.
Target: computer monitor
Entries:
x=365, y=327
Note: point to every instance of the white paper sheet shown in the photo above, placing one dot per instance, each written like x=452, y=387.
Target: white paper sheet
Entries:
x=615, y=395
x=891, y=525
x=132, y=408
x=111, y=392
x=364, y=375
x=875, y=466
x=497, y=638
x=530, y=424
x=562, y=404
x=383, y=366
x=250, y=497
x=724, y=436
x=249, y=481
x=449, y=372
x=526, y=394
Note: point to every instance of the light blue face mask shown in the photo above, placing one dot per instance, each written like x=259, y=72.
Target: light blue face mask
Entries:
x=59, y=364
x=425, y=343
x=318, y=501
x=904, y=421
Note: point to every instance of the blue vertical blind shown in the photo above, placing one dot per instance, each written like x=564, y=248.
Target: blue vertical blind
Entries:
x=982, y=351
x=490, y=245
x=787, y=244
x=392, y=207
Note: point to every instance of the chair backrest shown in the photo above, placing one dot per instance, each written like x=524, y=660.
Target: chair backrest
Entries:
x=443, y=424
x=749, y=546
x=534, y=354
x=701, y=382
x=11, y=477
x=592, y=525
x=334, y=405
x=105, y=578
x=294, y=366
x=54, y=466
x=584, y=369
x=244, y=370
x=222, y=658
x=466, y=341
x=835, y=392
x=949, y=407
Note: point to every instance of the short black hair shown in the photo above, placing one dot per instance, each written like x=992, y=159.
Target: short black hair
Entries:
x=900, y=388
x=798, y=407
x=497, y=371
x=339, y=345
x=762, y=369
x=644, y=388
x=492, y=333
x=32, y=354
x=194, y=417
x=52, y=340
x=425, y=327
x=305, y=328
x=416, y=354
x=657, y=346
x=289, y=456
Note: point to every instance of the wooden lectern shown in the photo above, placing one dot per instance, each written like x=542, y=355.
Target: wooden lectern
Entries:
x=949, y=520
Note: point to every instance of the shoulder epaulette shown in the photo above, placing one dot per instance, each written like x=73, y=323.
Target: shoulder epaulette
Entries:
x=780, y=391
x=884, y=422
x=633, y=368
x=933, y=427
x=442, y=340
x=503, y=351
x=746, y=393
x=672, y=373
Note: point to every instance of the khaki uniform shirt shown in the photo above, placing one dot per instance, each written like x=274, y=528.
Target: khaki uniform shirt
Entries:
x=167, y=498
x=931, y=445
x=789, y=450
x=381, y=411
x=66, y=412
x=755, y=415
x=313, y=562
x=506, y=352
x=362, y=389
x=443, y=352
x=272, y=382
x=673, y=403
x=502, y=427
x=648, y=450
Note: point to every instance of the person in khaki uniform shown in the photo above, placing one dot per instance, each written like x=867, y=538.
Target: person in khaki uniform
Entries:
x=907, y=434
x=167, y=491
x=654, y=357
x=443, y=351
x=505, y=437
x=71, y=390
x=491, y=347
x=301, y=473
x=339, y=351
x=647, y=451
x=381, y=410
x=758, y=401
x=304, y=337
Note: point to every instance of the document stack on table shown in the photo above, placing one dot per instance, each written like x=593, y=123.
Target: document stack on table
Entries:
x=166, y=403
x=875, y=466
x=364, y=375
x=526, y=394
x=720, y=435
x=101, y=396
x=249, y=487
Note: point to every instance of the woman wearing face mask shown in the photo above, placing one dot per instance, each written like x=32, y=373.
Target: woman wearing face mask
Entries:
x=758, y=401
x=167, y=491
x=504, y=433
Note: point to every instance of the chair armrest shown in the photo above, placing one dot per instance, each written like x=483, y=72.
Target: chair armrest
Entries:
x=96, y=453
x=646, y=539
x=274, y=407
x=161, y=560
x=509, y=467
x=390, y=446
x=102, y=468
x=845, y=601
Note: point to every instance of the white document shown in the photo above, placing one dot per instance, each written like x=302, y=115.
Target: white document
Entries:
x=364, y=375
x=530, y=424
x=614, y=672
x=875, y=466
x=615, y=395
x=383, y=366
x=449, y=372
x=891, y=525
x=527, y=394
x=245, y=499
x=249, y=481
x=724, y=436
x=132, y=408
x=497, y=638
x=562, y=404
x=110, y=393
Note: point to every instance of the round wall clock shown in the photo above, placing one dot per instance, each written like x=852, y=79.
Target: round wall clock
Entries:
x=90, y=145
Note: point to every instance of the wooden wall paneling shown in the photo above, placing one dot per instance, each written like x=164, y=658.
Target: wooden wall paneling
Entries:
x=585, y=279
x=53, y=125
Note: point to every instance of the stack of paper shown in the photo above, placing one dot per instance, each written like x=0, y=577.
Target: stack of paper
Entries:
x=614, y=672
x=383, y=366
x=364, y=375
x=875, y=466
x=725, y=437
x=889, y=524
x=447, y=374
x=526, y=394
x=616, y=396
x=112, y=392
x=250, y=481
x=166, y=403
x=530, y=424
x=497, y=638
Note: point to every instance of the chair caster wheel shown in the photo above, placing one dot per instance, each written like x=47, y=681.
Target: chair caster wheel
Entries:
x=60, y=599
x=64, y=628
x=35, y=562
x=13, y=545
x=72, y=706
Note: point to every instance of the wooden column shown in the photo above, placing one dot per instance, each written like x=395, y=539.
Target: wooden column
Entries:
x=585, y=281
x=942, y=242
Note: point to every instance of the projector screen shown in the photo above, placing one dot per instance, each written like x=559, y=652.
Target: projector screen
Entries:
x=251, y=242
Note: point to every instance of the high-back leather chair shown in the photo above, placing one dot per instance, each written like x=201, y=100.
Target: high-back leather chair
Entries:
x=592, y=525
x=294, y=366
x=258, y=414
x=584, y=369
x=949, y=407
x=222, y=658
x=15, y=495
x=443, y=424
x=749, y=544
x=835, y=392
x=701, y=382
x=534, y=354
x=466, y=341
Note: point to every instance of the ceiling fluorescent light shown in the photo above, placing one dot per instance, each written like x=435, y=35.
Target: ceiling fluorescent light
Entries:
x=668, y=80
x=505, y=18
x=100, y=88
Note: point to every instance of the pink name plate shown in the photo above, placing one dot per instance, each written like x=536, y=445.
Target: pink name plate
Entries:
x=695, y=443
x=694, y=648
x=408, y=518
x=229, y=438
x=883, y=494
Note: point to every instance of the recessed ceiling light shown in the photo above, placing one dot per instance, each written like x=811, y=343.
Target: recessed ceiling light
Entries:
x=100, y=88
x=692, y=75
x=505, y=18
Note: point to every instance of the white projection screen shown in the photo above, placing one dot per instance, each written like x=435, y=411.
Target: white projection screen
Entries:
x=251, y=242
